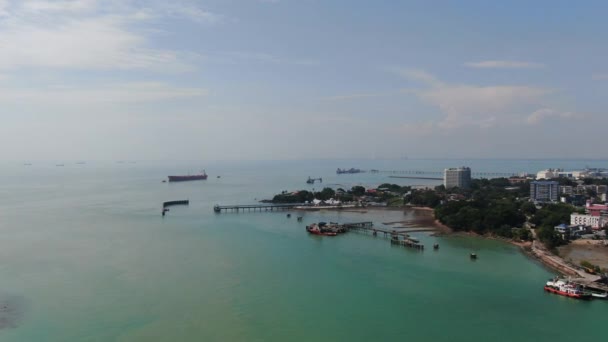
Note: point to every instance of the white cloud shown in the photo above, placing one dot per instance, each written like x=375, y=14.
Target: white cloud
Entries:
x=89, y=34
x=503, y=64
x=599, y=76
x=239, y=57
x=354, y=96
x=481, y=106
x=96, y=43
x=118, y=93
x=60, y=5
x=548, y=113
x=417, y=75
x=4, y=8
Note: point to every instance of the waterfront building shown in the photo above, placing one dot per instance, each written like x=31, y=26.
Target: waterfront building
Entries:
x=594, y=222
x=457, y=177
x=560, y=173
x=596, y=209
x=573, y=231
x=544, y=191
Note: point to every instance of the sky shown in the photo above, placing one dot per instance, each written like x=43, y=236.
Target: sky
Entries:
x=302, y=79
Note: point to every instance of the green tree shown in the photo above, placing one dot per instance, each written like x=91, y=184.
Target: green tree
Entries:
x=325, y=194
x=358, y=190
x=528, y=208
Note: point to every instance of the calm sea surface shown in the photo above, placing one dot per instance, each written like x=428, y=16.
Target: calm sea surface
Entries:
x=86, y=256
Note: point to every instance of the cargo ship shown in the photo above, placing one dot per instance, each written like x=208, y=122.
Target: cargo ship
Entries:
x=201, y=176
x=351, y=170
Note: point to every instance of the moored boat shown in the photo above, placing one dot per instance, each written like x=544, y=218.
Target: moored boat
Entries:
x=599, y=295
x=321, y=229
x=566, y=289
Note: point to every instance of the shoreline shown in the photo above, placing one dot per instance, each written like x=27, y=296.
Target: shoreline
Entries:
x=531, y=249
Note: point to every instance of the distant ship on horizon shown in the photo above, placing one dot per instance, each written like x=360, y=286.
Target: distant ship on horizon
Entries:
x=351, y=170
x=201, y=176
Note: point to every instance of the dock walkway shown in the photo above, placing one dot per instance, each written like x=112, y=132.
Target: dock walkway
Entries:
x=256, y=207
x=368, y=227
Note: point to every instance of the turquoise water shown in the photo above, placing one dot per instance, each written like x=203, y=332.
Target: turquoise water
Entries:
x=86, y=256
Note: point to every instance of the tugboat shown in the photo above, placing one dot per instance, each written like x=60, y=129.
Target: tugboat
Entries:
x=566, y=289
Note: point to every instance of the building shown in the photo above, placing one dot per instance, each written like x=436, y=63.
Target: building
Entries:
x=595, y=222
x=560, y=173
x=573, y=231
x=544, y=191
x=457, y=177
x=596, y=209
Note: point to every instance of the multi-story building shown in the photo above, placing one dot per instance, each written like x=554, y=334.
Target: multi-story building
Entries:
x=544, y=191
x=457, y=177
x=595, y=222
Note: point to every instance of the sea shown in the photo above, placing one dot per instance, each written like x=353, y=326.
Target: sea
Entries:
x=85, y=255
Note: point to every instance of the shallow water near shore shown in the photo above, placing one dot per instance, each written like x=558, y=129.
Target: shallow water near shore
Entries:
x=86, y=256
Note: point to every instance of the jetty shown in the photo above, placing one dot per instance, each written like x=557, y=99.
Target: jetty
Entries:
x=396, y=237
x=256, y=207
x=180, y=202
x=416, y=177
x=440, y=173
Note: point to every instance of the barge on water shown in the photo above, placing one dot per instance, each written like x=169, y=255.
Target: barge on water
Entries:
x=201, y=176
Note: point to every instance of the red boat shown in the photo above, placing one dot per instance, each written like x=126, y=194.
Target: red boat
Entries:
x=566, y=289
x=201, y=176
x=314, y=229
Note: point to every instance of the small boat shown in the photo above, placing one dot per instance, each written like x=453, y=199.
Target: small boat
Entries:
x=473, y=256
x=599, y=295
x=566, y=288
x=288, y=215
x=436, y=246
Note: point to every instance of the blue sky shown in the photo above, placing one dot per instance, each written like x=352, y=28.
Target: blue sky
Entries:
x=286, y=79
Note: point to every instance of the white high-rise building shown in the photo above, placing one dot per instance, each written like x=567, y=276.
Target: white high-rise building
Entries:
x=457, y=177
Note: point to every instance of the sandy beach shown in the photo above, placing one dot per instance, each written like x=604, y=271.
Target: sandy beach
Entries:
x=593, y=251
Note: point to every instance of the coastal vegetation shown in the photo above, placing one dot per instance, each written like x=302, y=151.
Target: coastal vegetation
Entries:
x=489, y=206
x=392, y=194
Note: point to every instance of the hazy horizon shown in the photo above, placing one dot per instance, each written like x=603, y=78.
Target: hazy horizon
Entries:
x=285, y=80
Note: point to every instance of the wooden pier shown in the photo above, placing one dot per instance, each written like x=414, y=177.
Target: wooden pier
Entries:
x=397, y=237
x=255, y=207
x=416, y=177
x=180, y=202
x=440, y=173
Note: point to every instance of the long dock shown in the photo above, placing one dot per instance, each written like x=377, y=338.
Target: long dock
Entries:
x=368, y=227
x=440, y=173
x=416, y=177
x=180, y=202
x=255, y=207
